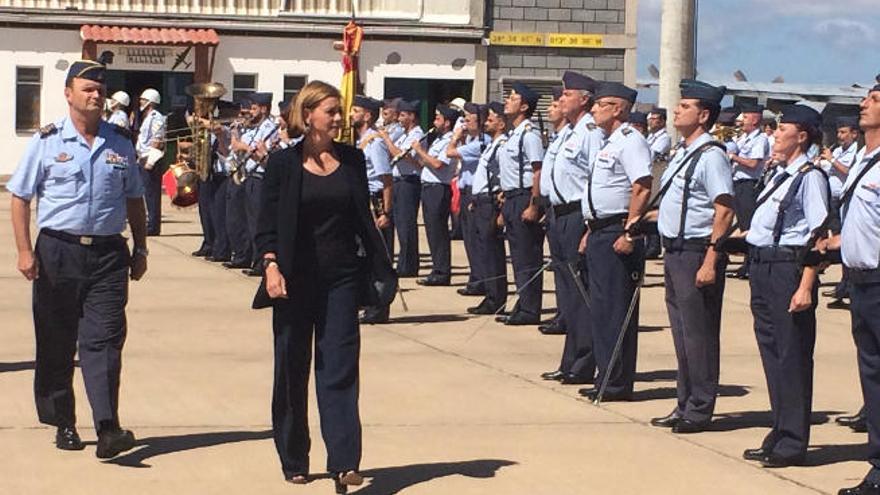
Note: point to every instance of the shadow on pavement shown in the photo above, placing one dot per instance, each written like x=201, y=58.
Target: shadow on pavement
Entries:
x=664, y=393
x=651, y=328
x=155, y=446
x=823, y=455
x=759, y=419
x=17, y=366
x=426, y=319
x=657, y=375
x=386, y=481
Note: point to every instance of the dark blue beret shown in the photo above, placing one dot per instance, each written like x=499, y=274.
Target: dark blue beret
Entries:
x=875, y=88
x=658, y=111
x=86, y=69
x=751, y=108
x=448, y=113
x=284, y=105
x=638, y=118
x=528, y=95
x=616, y=89
x=409, y=106
x=728, y=116
x=243, y=101
x=482, y=111
x=367, y=103
x=264, y=99
x=573, y=80
x=392, y=103
x=851, y=122
x=692, y=89
x=557, y=93
x=496, y=107
x=801, y=114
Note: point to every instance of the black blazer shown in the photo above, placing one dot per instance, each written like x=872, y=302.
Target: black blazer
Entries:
x=279, y=213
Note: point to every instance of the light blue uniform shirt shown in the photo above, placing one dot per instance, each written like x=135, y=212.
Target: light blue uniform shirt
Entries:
x=152, y=128
x=550, y=157
x=659, y=142
x=571, y=168
x=394, y=130
x=509, y=157
x=711, y=179
x=444, y=174
x=753, y=146
x=807, y=212
x=408, y=165
x=80, y=190
x=378, y=161
x=486, y=178
x=470, y=158
x=120, y=118
x=266, y=131
x=860, y=236
x=836, y=178
x=624, y=159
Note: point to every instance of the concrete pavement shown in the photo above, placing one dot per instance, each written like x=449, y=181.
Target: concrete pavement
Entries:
x=450, y=403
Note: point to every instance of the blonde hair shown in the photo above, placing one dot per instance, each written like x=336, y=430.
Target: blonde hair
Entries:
x=308, y=98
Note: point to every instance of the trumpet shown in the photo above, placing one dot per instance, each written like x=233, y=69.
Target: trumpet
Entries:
x=409, y=148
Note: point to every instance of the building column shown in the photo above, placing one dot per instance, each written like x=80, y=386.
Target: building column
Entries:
x=677, y=31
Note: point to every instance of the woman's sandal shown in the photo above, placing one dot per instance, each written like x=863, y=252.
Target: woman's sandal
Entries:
x=298, y=479
x=345, y=479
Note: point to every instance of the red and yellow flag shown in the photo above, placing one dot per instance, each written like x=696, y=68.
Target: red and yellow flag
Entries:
x=352, y=36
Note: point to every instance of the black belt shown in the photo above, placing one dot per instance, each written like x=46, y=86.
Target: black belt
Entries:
x=433, y=184
x=483, y=198
x=465, y=190
x=866, y=276
x=566, y=208
x=604, y=223
x=412, y=179
x=675, y=244
x=255, y=175
x=776, y=254
x=85, y=240
x=513, y=193
x=744, y=180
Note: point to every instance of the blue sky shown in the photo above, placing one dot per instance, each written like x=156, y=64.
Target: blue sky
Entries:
x=804, y=41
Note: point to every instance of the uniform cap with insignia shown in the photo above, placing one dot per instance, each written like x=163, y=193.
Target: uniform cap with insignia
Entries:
x=409, y=106
x=691, y=89
x=728, y=116
x=638, y=118
x=573, y=80
x=448, y=113
x=802, y=115
x=474, y=108
x=752, y=108
x=658, y=111
x=392, y=103
x=86, y=69
x=875, y=88
x=264, y=99
x=851, y=122
x=367, y=103
x=243, y=101
x=557, y=93
x=617, y=90
x=528, y=94
x=496, y=107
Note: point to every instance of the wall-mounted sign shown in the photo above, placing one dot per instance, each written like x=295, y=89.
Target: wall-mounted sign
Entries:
x=556, y=40
x=150, y=57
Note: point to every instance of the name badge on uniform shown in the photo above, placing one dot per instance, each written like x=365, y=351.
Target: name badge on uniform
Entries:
x=63, y=157
x=118, y=162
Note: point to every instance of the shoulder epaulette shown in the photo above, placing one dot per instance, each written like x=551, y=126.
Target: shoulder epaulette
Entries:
x=591, y=126
x=48, y=130
x=812, y=166
x=122, y=131
x=626, y=131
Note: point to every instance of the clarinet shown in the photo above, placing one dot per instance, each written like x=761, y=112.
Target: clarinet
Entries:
x=405, y=152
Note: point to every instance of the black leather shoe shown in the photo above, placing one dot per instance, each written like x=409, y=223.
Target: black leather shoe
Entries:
x=373, y=318
x=755, y=454
x=592, y=393
x=433, y=282
x=572, y=379
x=837, y=304
x=553, y=375
x=66, y=438
x=775, y=461
x=667, y=421
x=863, y=488
x=858, y=422
x=552, y=328
x=252, y=272
x=217, y=259
x=201, y=252
x=521, y=318
x=485, y=308
x=688, y=426
x=112, y=443
x=470, y=291
x=236, y=264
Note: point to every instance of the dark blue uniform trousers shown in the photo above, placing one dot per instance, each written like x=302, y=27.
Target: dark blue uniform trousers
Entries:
x=382, y=312
x=526, y=243
x=220, y=249
x=253, y=191
x=236, y=222
x=565, y=233
x=436, y=199
x=469, y=236
x=695, y=318
x=745, y=200
x=79, y=301
x=865, y=310
x=207, y=189
x=613, y=280
x=329, y=313
x=407, y=193
x=490, y=249
x=152, y=180
x=785, y=341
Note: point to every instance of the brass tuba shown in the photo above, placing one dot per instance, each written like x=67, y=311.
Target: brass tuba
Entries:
x=205, y=97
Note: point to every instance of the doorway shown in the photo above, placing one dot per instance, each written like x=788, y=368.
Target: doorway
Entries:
x=429, y=91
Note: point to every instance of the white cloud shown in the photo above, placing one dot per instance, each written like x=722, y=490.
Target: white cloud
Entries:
x=846, y=33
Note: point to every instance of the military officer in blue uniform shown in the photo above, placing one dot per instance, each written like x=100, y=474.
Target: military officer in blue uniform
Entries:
x=568, y=175
x=242, y=139
x=520, y=167
x=407, y=190
x=695, y=211
x=639, y=122
x=391, y=117
x=438, y=169
x=859, y=244
x=83, y=173
x=486, y=210
x=150, y=142
x=791, y=211
x=752, y=153
x=615, y=198
x=658, y=138
x=364, y=112
x=467, y=144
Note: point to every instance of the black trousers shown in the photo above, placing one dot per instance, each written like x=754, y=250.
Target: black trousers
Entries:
x=253, y=192
x=221, y=248
x=490, y=251
x=865, y=310
x=565, y=235
x=407, y=193
x=695, y=317
x=382, y=312
x=469, y=236
x=236, y=223
x=549, y=220
x=785, y=341
x=436, y=200
x=613, y=280
x=152, y=180
x=744, y=203
x=79, y=301
x=526, y=243
x=207, y=190
x=327, y=313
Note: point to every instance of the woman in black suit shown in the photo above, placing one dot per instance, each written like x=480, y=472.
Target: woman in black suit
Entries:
x=322, y=258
